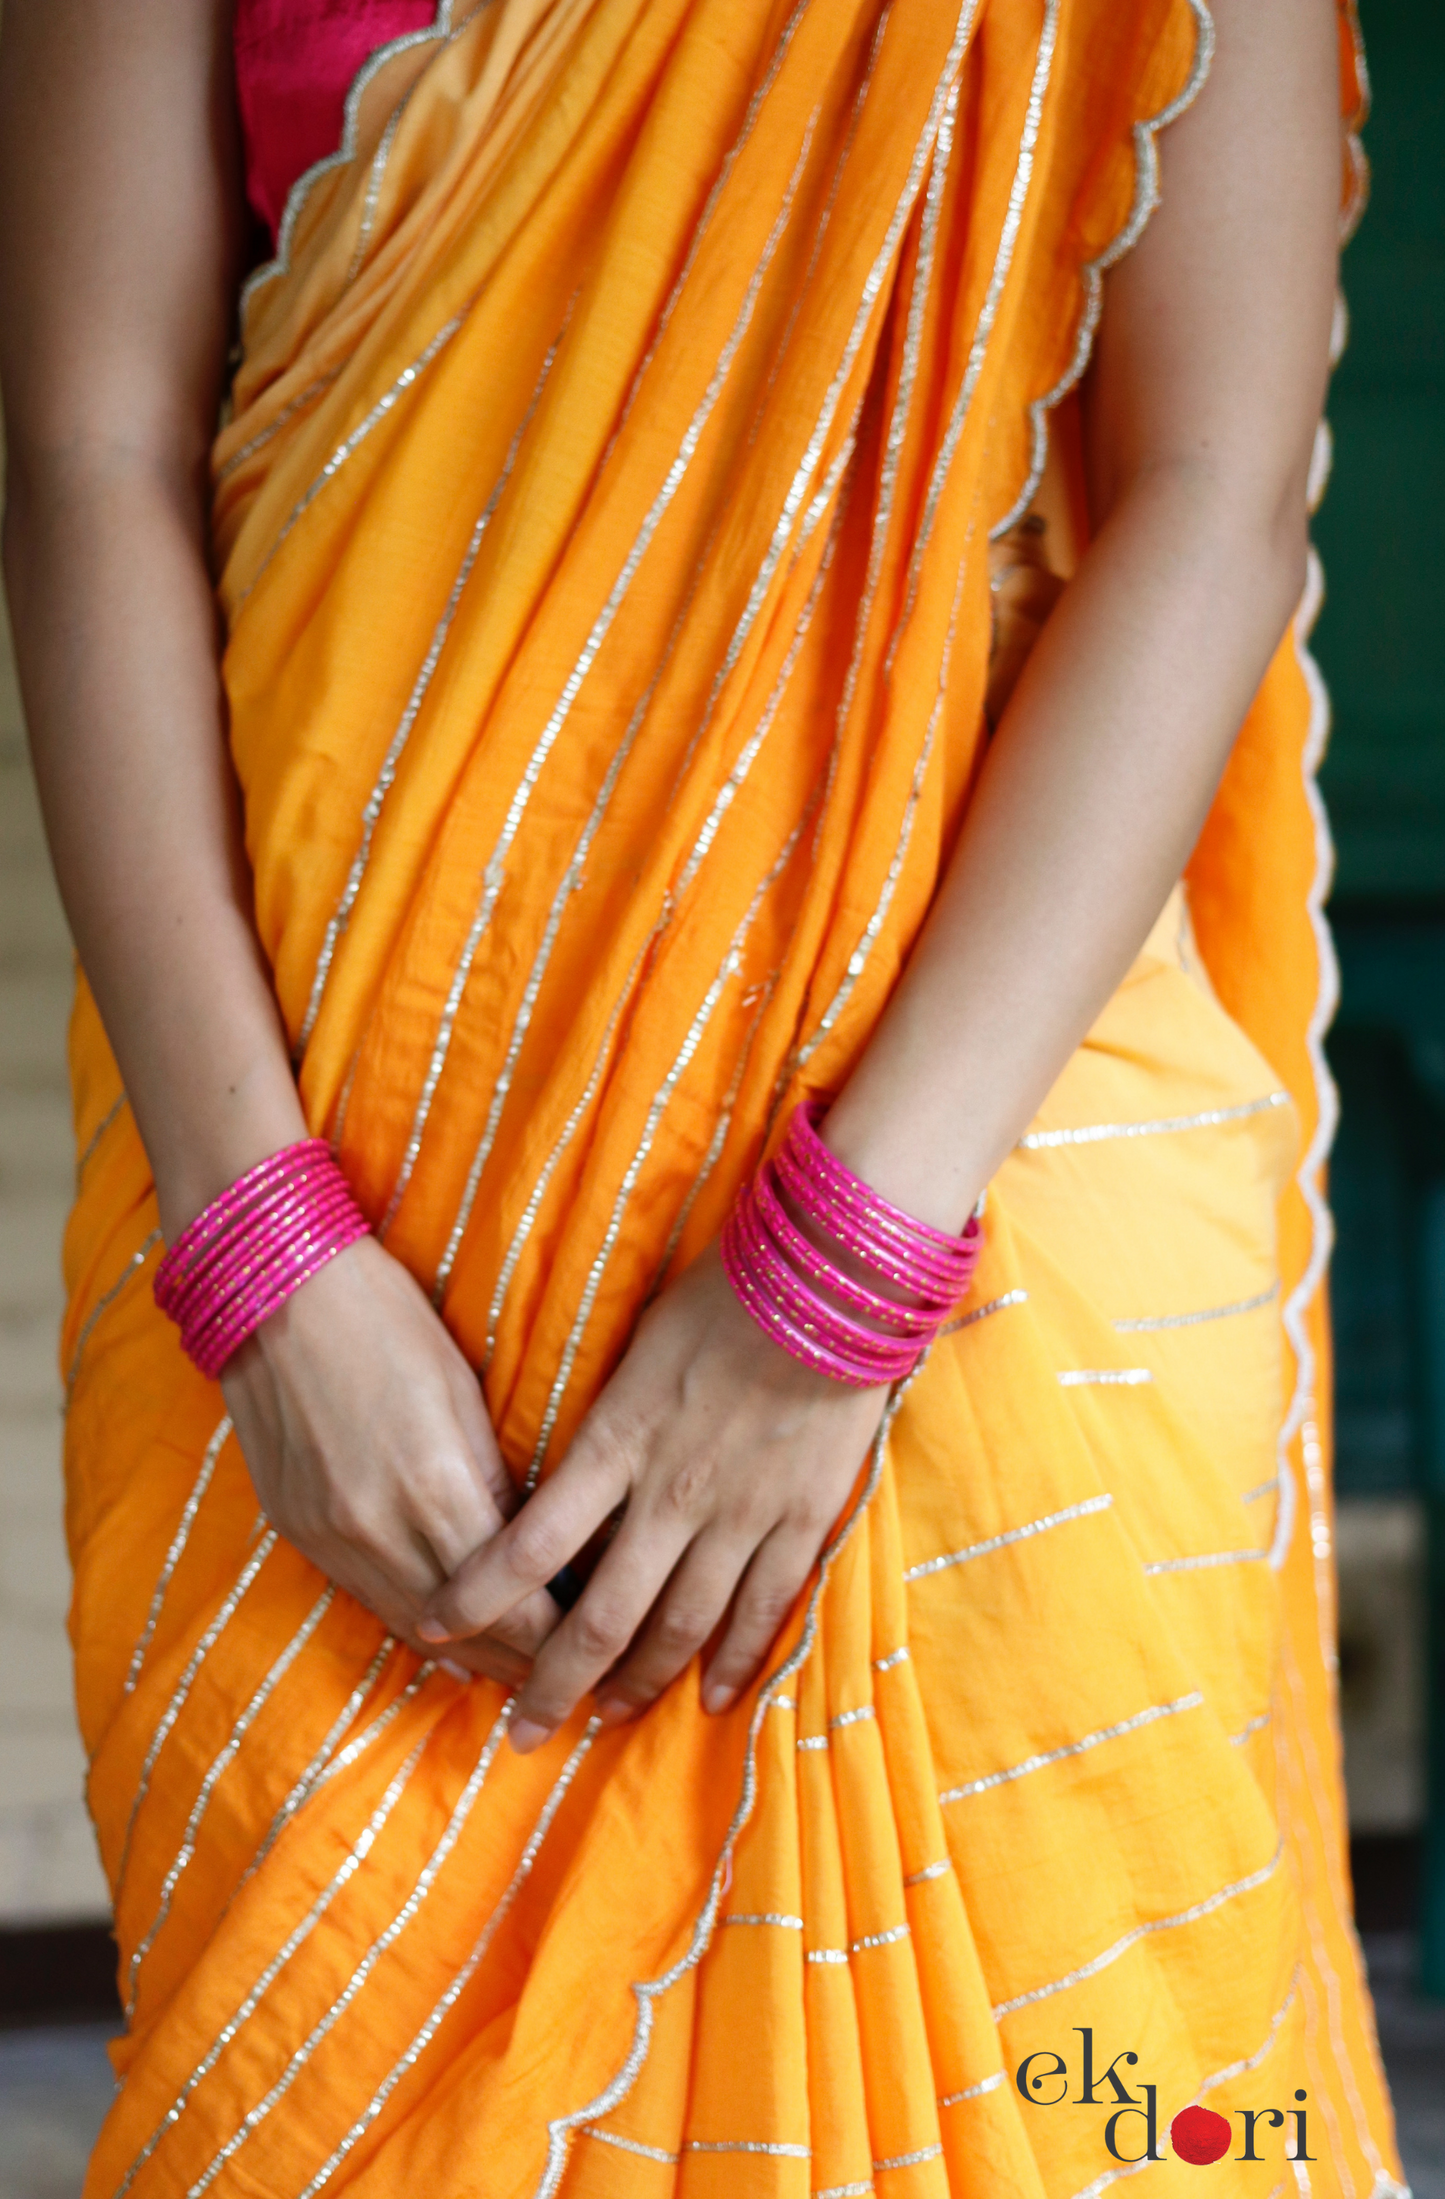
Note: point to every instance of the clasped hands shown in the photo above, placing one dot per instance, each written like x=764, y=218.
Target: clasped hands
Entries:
x=724, y=1462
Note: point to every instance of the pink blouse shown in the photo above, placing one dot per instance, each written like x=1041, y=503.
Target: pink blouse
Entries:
x=295, y=61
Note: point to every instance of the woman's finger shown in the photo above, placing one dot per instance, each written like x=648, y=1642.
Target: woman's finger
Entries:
x=597, y=1633
x=685, y=1617
x=548, y=1531
x=770, y=1589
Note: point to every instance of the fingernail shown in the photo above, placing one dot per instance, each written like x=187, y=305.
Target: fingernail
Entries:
x=615, y=1711
x=717, y=1696
x=527, y=1735
x=458, y=1672
x=432, y=1630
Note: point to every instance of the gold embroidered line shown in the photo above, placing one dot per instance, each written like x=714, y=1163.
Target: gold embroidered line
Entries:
x=287, y=413
x=102, y=1304
x=981, y=1313
x=974, y=2091
x=1129, y=1378
x=1093, y=1740
x=1082, y=1510
x=468, y=1970
x=1261, y=1489
x=1192, y=1320
x=1246, y=1732
x=721, y=1129
x=177, y=1703
x=1146, y=198
x=630, y=2145
x=813, y=1741
x=427, y=1878
x=311, y=1777
x=940, y=1869
x=494, y=875
x=350, y=1864
x=175, y=1553
x=844, y=2191
x=850, y=1717
x=1252, y=2061
x=727, y=970
x=1191, y=1915
x=750, y=2145
x=646, y=1991
x=774, y=1917
x=1209, y=1557
x=96, y=1135
x=890, y=1938
x=385, y=779
x=895, y=1657
x=220, y=1764
x=1094, y=1133
x=908, y=2160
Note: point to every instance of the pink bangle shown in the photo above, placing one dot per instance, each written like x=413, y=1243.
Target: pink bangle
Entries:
x=246, y=1253
x=805, y=1299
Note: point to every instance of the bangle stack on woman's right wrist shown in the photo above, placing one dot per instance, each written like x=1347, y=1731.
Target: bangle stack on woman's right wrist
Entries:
x=800, y=1291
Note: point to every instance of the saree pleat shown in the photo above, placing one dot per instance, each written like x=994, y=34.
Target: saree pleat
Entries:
x=603, y=533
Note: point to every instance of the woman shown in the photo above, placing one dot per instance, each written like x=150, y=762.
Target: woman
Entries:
x=932, y=1787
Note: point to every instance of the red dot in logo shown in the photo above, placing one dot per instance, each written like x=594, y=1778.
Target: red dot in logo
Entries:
x=1197, y=2134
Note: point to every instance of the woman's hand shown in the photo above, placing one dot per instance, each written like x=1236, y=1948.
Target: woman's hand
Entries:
x=370, y=1449
x=732, y=1460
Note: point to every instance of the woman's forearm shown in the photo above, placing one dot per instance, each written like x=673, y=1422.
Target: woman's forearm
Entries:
x=116, y=638
x=1087, y=807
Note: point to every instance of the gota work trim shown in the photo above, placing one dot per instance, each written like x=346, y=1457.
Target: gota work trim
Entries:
x=102, y=1305
x=1261, y=1489
x=851, y=1717
x=300, y=1932
x=844, y=2191
x=1096, y=1133
x=646, y=1991
x=1111, y=1954
x=897, y=1656
x=220, y=1764
x=1129, y=1378
x=283, y=419
x=1153, y=1321
x=981, y=1313
x=1242, y=2067
x=826, y=1954
x=630, y=2145
x=1245, y=1733
x=385, y=778
x=750, y=2145
x=974, y=2091
x=115, y=1108
x=812, y=1741
x=940, y=1869
x=175, y=1553
x=311, y=1777
x=1084, y=1509
x=1096, y=1739
x=1146, y=198
x=177, y=1703
x=451, y=1833
x=775, y=1917
x=464, y=1976
x=1205, y=1559
x=1309, y=1174
x=908, y=2160
x=494, y=875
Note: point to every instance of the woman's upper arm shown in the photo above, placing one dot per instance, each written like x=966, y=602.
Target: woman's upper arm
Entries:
x=119, y=227
x=1213, y=349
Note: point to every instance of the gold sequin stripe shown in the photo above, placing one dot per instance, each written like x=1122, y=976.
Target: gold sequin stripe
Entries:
x=1146, y=198
x=1095, y=1133
x=1206, y=1559
x=219, y=1766
x=1083, y=1378
x=1096, y=1739
x=1248, y=1731
x=1084, y=1509
x=494, y=875
x=311, y=1778
x=177, y=1703
x=1148, y=1322
x=647, y=1991
x=633, y=2145
x=350, y=1865
x=1129, y=1939
x=451, y=1833
x=728, y=969
x=115, y=1108
x=341, y=916
x=176, y=1551
x=103, y=1304
x=468, y=1970
x=982, y=1313
x=288, y=412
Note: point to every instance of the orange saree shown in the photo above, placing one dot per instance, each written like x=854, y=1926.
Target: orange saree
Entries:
x=603, y=533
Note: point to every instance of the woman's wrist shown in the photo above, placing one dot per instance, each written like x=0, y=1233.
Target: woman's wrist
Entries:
x=205, y=1145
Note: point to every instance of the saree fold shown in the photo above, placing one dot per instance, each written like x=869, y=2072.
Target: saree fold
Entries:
x=603, y=527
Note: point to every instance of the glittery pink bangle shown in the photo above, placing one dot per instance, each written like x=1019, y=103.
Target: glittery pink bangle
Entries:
x=246, y=1253
x=806, y=1299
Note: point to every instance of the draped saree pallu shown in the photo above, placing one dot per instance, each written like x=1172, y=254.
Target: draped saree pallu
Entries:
x=604, y=527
